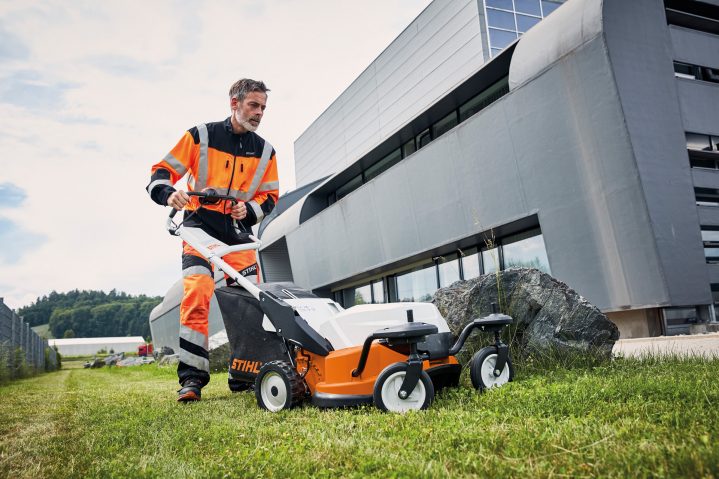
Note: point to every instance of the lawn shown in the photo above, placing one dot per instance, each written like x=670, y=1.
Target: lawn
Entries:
x=630, y=418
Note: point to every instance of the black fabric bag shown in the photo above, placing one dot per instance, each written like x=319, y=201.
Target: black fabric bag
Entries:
x=251, y=345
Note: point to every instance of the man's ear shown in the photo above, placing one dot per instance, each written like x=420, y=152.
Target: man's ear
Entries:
x=234, y=104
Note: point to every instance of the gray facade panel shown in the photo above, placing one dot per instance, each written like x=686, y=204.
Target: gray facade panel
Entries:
x=556, y=146
x=708, y=215
x=703, y=178
x=695, y=47
x=578, y=170
x=699, y=101
x=713, y=273
x=640, y=53
x=441, y=48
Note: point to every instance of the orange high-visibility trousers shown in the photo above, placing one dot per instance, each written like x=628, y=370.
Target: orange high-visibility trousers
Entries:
x=199, y=285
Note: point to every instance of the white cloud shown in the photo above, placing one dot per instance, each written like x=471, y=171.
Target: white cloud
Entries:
x=93, y=93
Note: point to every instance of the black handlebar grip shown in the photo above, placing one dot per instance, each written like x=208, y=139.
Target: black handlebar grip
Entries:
x=173, y=213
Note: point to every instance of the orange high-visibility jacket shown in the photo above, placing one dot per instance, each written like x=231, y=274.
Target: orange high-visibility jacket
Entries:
x=244, y=166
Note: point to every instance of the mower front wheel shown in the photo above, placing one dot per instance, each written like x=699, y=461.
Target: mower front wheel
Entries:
x=278, y=386
x=482, y=366
x=389, y=382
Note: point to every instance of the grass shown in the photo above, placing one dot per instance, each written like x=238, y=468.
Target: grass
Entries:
x=630, y=418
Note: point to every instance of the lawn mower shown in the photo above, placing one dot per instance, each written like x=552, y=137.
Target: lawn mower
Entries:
x=293, y=346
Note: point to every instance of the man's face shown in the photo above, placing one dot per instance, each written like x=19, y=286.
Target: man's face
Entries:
x=248, y=112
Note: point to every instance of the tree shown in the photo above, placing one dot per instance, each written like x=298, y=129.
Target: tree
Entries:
x=69, y=333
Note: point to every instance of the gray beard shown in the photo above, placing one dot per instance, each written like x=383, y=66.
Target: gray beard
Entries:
x=247, y=125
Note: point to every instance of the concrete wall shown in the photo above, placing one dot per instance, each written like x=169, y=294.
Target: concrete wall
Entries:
x=441, y=48
x=640, y=51
x=590, y=144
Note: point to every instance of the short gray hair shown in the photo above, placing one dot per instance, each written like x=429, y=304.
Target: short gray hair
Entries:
x=241, y=88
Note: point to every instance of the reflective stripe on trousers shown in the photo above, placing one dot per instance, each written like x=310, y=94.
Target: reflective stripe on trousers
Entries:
x=198, y=286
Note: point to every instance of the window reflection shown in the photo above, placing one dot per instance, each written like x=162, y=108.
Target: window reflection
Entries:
x=383, y=165
x=470, y=264
x=377, y=292
x=448, y=271
x=444, y=125
x=501, y=38
x=500, y=19
x=525, y=251
x=528, y=6
x=506, y=4
x=490, y=260
x=418, y=285
x=696, y=141
x=524, y=22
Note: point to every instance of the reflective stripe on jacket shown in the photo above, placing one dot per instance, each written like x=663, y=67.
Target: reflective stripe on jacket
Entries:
x=213, y=156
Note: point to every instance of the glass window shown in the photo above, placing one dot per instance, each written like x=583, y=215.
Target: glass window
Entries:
x=490, y=260
x=679, y=316
x=383, y=165
x=496, y=51
x=358, y=295
x=528, y=6
x=448, y=270
x=707, y=196
x=417, y=285
x=444, y=125
x=408, y=148
x=715, y=298
x=377, y=292
x=349, y=187
x=525, y=250
x=484, y=99
x=506, y=4
x=524, y=22
x=696, y=141
x=683, y=70
x=702, y=163
x=423, y=139
x=500, y=19
x=710, y=235
x=715, y=143
x=710, y=74
x=470, y=264
x=501, y=38
x=712, y=255
x=548, y=7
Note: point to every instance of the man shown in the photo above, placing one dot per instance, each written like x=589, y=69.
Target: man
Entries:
x=232, y=159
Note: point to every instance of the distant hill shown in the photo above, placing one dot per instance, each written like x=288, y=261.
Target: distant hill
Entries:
x=91, y=313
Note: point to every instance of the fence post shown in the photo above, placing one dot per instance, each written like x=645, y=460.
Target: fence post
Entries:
x=26, y=342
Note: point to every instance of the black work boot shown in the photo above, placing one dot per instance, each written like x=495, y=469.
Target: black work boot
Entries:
x=191, y=391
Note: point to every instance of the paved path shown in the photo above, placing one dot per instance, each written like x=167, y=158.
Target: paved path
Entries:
x=697, y=344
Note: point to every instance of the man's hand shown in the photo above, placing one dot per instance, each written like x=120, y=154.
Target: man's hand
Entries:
x=178, y=200
x=239, y=211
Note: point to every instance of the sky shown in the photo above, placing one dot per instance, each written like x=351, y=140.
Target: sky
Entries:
x=93, y=93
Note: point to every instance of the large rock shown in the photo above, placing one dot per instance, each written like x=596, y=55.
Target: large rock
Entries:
x=547, y=313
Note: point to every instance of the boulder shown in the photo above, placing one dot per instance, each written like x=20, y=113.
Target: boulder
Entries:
x=548, y=314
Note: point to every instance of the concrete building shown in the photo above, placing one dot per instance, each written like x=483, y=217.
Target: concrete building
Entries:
x=585, y=144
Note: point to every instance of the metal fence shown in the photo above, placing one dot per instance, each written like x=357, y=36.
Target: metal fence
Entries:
x=21, y=349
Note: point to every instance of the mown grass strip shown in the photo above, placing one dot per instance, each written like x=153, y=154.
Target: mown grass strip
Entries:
x=654, y=418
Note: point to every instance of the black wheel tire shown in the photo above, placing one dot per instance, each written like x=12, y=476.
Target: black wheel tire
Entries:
x=481, y=369
x=278, y=386
x=388, y=384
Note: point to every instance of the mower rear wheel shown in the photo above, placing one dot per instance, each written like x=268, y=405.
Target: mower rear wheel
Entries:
x=388, y=384
x=481, y=370
x=278, y=386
